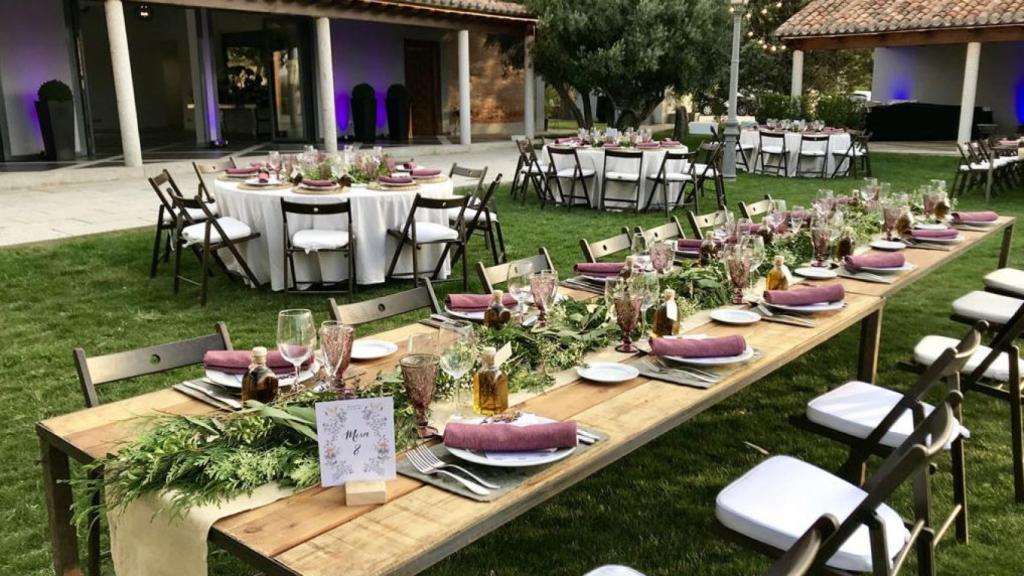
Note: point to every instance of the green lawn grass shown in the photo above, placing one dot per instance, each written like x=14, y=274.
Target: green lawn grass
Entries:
x=653, y=510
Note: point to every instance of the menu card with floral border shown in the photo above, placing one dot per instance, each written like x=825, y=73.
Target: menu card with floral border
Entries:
x=357, y=440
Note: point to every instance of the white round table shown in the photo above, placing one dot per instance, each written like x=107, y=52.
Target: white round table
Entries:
x=593, y=159
x=373, y=213
x=838, y=142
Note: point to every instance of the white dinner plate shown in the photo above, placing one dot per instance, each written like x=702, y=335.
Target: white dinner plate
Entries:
x=816, y=273
x=734, y=316
x=954, y=240
x=472, y=316
x=907, y=267
x=603, y=279
x=931, y=226
x=235, y=380
x=888, y=245
x=513, y=459
x=256, y=182
x=372, y=349
x=810, y=308
x=714, y=361
x=607, y=372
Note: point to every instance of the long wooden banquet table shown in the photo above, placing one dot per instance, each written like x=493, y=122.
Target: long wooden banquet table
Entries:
x=313, y=532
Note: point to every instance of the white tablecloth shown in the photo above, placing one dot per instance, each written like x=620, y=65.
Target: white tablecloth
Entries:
x=838, y=142
x=373, y=212
x=593, y=158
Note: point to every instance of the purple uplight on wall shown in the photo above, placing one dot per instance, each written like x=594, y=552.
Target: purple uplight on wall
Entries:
x=901, y=89
x=382, y=108
x=1018, y=100
x=341, y=109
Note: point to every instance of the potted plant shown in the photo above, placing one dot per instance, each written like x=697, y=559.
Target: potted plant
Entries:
x=364, y=112
x=398, y=113
x=56, y=111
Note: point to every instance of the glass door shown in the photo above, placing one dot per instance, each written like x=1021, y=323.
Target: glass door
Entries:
x=290, y=78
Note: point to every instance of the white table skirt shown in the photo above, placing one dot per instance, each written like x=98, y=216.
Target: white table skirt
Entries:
x=837, y=143
x=373, y=212
x=593, y=158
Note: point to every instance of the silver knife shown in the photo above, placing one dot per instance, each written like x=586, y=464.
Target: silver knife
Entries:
x=220, y=398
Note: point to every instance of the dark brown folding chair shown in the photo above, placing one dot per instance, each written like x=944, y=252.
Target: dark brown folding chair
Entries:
x=204, y=168
x=797, y=561
x=386, y=306
x=482, y=211
x=530, y=171
x=772, y=144
x=120, y=366
x=669, y=174
x=341, y=242
x=419, y=233
x=623, y=174
x=702, y=222
x=848, y=415
x=708, y=167
x=576, y=173
x=166, y=190
x=211, y=235
x=813, y=147
x=592, y=251
x=493, y=275
x=670, y=230
x=857, y=156
x=757, y=209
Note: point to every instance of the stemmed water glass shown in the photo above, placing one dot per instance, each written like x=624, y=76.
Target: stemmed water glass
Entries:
x=296, y=337
x=518, y=284
x=891, y=212
x=754, y=245
x=419, y=375
x=797, y=218
x=274, y=161
x=543, y=285
x=737, y=264
x=336, y=352
x=638, y=248
x=646, y=285
x=628, y=304
x=821, y=241
x=662, y=256
x=458, y=354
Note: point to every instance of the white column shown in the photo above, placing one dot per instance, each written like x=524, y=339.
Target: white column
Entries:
x=797, y=85
x=325, y=65
x=539, y=103
x=529, y=87
x=211, y=102
x=465, y=127
x=970, y=91
x=123, y=88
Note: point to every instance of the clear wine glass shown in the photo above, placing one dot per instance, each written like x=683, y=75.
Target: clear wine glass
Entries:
x=638, y=247
x=274, y=160
x=779, y=205
x=797, y=218
x=296, y=337
x=336, y=352
x=754, y=245
x=518, y=284
x=458, y=344
x=648, y=287
x=891, y=213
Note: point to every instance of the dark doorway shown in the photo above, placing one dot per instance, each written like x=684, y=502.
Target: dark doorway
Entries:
x=423, y=80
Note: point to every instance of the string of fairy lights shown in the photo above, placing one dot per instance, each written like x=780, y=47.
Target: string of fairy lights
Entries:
x=761, y=21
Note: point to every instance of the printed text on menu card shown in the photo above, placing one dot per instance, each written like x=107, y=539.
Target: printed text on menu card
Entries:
x=357, y=440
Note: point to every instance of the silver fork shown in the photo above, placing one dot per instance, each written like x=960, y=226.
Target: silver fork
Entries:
x=425, y=467
x=697, y=373
x=794, y=319
x=432, y=459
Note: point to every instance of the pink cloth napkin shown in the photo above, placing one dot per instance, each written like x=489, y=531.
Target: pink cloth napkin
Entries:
x=669, y=142
x=243, y=171
x=425, y=172
x=798, y=214
x=501, y=437
x=689, y=244
x=410, y=165
x=648, y=145
x=985, y=216
x=237, y=362
x=699, y=347
x=935, y=234
x=599, y=268
x=396, y=179
x=844, y=200
x=880, y=260
x=318, y=183
x=475, y=302
x=566, y=140
x=805, y=296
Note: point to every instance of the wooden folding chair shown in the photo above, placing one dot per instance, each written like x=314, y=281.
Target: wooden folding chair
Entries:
x=592, y=251
x=166, y=190
x=498, y=274
x=757, y=209
x=702, y=222
x=341, y=242
x=622, y=175
x=816, y=147
x=667, y=177
x=670, y=230
x=482, y=211
x=420, y=233
x=772, y=144
x=204, y=168
x=575, y=174
x=529, y=170
x=120, y=366
x=360, y=313
x=797, y=561
x=857, y=155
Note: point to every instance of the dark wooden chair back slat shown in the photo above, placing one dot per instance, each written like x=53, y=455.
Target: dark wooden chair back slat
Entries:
x=386, y=306
x=1002, y=342
x=99, y=370
x=592, y=251
x=213, y=166
x=493, y=275
x=325, y=209
x=797, y=561
x=440, y=203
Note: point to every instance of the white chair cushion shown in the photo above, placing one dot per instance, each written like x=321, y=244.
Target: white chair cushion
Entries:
x=612, y=570
x=195, y=214
x=534, y=169
x=313, y=240
x=777, y=500
x=453, y=215
x=622, y=176
x=857, y=408
x=815, y=153
x=743, y=146
x=699, y=168
x=931, y=347
x=980, y=305
x=431, y=232
x=234, y=229
x=675, y=177
x=1006, y=279
x=771, y=149
x=571, y=172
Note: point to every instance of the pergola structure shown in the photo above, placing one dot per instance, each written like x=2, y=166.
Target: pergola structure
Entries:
x=857, y=24
x=503, y=16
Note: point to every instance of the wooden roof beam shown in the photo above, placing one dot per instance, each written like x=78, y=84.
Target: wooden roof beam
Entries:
x=906, y=38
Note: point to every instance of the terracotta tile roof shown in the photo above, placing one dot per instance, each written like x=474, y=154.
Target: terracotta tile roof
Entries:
x=485, y=7
x=852, y=17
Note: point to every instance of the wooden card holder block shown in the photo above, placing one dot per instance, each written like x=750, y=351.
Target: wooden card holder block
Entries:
x=363, y=492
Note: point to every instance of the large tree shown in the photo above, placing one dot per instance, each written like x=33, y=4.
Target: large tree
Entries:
x=629, y=50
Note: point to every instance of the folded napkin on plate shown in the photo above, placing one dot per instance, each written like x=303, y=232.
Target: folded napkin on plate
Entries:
x=395, y=180
x=699, y=347
x=317, y=183
x=566, y=140
x=599, y=268
x=648, y=145
x=243, y=170
x=611, y=145
x=984, y=216
x=935, y=234
x=669, y=142
x=237, y=362
x=410, y=165
x=474, y=302
x=805, y=296
x=881, y=260
x=500, y=437
x=425, y=172
x=689, y=244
